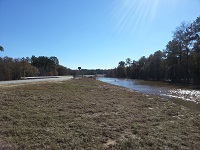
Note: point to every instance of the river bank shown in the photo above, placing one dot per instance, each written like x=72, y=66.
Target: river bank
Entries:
x=88, y=114
x=181, y=95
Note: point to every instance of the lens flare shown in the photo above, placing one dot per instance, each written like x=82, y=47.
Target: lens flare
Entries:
x=134, y=14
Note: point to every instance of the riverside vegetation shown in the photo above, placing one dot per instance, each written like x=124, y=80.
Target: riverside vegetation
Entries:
x=89, y=114
x=178, y=62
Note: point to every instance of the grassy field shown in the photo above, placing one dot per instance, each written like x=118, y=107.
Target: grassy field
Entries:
x=89, y=114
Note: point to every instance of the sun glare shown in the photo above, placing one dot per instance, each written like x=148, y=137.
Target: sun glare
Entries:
x=134, y=14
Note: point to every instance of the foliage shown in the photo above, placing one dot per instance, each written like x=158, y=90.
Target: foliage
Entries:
x=45, y=65
x=63, y=70
x=122, y=63
x=13, y=69
x=179, y=62
x=1, y=48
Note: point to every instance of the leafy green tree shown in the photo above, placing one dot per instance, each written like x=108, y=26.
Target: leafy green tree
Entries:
x=179, y=62
x=128, y=67
x=45, y=65
x=128, y=71
x=195, y=53
x=122, y=64
x=121, y=72
x=63, y=71
x=142, y=68
x=184, y=36
x=8, y=67
x=55, y=60
x=134, y=70
x=1, y=48
x=128, y=62
x=111, y=73
x=158, y=67
x=173, y=63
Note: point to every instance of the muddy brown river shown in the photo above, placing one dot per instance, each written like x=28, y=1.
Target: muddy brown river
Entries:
x=180, y=95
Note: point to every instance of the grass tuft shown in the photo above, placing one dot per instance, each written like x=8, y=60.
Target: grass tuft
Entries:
x=89, y=114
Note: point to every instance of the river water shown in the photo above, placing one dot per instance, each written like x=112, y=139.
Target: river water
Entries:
x=180, y=95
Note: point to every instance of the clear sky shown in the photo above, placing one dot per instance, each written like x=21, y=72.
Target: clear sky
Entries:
x=93, y=34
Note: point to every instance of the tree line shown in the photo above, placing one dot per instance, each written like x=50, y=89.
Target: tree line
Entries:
x=92, y=71
x=14, y=69
x=179, y=62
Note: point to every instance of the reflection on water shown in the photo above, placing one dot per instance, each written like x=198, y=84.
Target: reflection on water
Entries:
x=186, y=97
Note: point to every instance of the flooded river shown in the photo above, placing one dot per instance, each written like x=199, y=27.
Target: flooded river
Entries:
x=180, y=95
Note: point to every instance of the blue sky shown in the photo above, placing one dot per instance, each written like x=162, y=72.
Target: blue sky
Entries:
x=93, y=34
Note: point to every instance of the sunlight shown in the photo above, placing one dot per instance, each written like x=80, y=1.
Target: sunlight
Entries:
x=131, y=15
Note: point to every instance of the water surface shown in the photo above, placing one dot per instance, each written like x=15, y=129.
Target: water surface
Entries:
x=180, y=95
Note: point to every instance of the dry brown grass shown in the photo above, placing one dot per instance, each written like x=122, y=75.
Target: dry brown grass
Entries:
x=88, y=114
